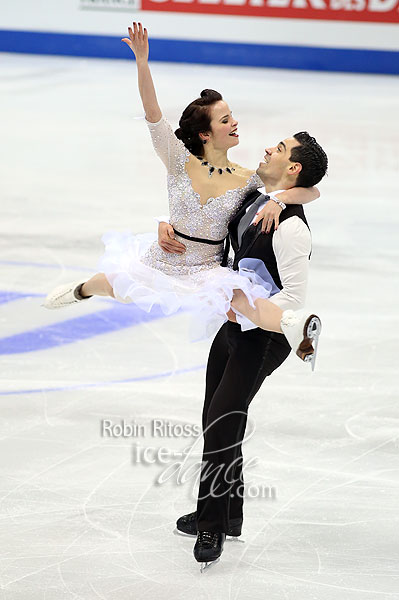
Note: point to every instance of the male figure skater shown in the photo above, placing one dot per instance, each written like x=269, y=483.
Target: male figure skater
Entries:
x=239, y=361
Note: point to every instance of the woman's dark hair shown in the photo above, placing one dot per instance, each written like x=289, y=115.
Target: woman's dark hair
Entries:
x=312, y=157
x=196, y=119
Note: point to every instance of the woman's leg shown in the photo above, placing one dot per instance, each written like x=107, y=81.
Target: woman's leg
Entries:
x=302, y=332
x=75, y=291
x=98, y=285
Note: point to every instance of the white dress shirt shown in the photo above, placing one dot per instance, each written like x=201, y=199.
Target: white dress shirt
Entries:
x=292, y=244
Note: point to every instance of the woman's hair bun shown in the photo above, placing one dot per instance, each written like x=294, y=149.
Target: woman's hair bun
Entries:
x=196, y=119
x=210, y=94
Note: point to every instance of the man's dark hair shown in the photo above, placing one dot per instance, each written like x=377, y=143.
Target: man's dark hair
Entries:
x=312, y=157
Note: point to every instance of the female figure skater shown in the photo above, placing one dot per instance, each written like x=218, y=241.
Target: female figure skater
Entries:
x=205, y=191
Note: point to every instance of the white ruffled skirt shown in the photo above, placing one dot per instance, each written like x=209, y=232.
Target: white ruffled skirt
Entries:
x=205, y=293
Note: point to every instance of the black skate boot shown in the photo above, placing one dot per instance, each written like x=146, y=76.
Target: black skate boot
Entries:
x=208, y=548
x=188, y=524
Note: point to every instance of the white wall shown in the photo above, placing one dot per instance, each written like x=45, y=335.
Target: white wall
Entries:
x=85, y=16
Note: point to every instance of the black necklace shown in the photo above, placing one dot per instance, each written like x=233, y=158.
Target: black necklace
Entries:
x=212, y=169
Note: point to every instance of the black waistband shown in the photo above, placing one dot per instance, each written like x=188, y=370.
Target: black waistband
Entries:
x=212, y=242
x=200, y=240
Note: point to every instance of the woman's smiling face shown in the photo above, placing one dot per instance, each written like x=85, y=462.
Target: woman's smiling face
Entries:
x=223, y=134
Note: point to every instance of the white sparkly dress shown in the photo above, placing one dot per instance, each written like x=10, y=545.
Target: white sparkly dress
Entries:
x=141, y=272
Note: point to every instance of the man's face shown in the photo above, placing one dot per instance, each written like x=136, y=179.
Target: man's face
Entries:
x=276, y=164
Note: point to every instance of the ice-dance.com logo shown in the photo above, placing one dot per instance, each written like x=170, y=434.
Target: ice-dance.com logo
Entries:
x=180, y=469
x=156, y=428
x=219, y=465
x=190, y=465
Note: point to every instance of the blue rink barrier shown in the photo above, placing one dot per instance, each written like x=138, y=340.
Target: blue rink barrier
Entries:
x=203, y=52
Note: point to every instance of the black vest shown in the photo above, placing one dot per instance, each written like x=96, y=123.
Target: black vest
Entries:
x=255, y=244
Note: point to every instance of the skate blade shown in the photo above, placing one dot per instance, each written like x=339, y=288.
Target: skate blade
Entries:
x=307, y=349
x=313, y=356
x=234, y=538
x=207, y=565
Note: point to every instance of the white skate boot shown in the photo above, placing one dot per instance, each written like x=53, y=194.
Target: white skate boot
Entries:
x=64, y=295
x=302, y=334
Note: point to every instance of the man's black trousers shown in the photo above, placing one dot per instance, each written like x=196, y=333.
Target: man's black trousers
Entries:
x=238, y=364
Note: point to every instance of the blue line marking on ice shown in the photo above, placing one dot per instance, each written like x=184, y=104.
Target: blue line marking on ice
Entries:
x=6, y=296
x=79, y=328
x=103, y=383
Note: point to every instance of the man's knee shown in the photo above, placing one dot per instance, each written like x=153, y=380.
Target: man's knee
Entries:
x=226, y=421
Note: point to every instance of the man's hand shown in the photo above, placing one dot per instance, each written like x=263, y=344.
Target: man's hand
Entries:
x=166, y=240
x=231, y=315
x=269, y=213
x=240, y=303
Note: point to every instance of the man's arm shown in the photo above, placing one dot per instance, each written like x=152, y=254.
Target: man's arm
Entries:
x=166, y=239
x=292, y=244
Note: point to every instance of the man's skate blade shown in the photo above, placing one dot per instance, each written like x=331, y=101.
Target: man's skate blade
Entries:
x=207, y=565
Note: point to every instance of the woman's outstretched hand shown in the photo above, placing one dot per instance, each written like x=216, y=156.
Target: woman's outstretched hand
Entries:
x=138, y=44
x=138, y=41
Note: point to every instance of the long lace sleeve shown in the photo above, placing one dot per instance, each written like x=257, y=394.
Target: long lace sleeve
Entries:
x=169, y=148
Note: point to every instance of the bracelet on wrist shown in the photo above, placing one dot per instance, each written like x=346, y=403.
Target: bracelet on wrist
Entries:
x=281, y=204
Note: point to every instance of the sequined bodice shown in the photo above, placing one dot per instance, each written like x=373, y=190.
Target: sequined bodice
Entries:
x=209, y=220
x=187, y=214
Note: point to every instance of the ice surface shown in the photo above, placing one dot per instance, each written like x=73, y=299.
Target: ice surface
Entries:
x=82, y=520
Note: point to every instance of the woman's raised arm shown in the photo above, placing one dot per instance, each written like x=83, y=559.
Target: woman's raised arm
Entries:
x=299, y=195
x=138, y=43
x=271, y=212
